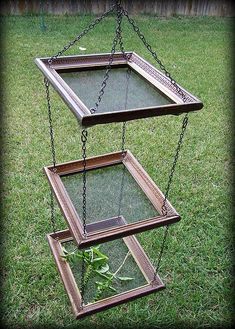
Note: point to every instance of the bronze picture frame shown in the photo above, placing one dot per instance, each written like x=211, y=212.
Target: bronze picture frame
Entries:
x=101, y=231
x=154, y=77
x=153, y=281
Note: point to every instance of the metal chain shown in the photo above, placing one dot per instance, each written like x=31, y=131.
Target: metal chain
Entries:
x=84, y=136
x=161, y=252
x=84, y=141
x=84, y=131
x=172, y=171
x=52, y=207
x=180, y=92
x=119, y=31
x=43, y=26
x=170, y=178
x=117, y=38
x=123, y=138
x=128, y=73
x=154, y=54
x=84, y=32
x=83, y=271
x=184, y=126
x=46, y=83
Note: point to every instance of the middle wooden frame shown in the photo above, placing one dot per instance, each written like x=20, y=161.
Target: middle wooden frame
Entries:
x=116, y=226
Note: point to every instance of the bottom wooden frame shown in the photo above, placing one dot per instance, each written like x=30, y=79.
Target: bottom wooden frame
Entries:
x=55, y=241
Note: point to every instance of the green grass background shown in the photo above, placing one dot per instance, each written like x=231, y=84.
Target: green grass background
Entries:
x=197, y=262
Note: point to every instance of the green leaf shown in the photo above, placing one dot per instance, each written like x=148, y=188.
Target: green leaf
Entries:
x=99, y=253
x=102, y=275
x=100, y=285
x=99, y=259
x=125, y=278
x=112, y=288
x=104, y=268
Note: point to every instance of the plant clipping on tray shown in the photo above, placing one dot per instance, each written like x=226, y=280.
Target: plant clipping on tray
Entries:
x=97, y=266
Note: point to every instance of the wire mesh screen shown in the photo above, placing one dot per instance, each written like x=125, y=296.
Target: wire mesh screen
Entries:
x=111, y=191
x=120, y=261
x=122, y=91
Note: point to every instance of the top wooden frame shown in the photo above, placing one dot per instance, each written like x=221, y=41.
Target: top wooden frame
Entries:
x=152, y=76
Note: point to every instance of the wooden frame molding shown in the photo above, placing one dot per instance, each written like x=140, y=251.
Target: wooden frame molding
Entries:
x=55, y=241
x=103, y=231
x=157, y=79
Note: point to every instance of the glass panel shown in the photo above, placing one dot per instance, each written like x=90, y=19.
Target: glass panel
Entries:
x=123, y=91
x=111, y=192
x=120, y=260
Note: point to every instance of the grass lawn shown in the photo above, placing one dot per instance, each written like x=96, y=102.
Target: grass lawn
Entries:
x=196, y=265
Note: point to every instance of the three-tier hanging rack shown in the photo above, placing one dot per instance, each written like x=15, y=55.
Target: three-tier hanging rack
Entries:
x=145, y=92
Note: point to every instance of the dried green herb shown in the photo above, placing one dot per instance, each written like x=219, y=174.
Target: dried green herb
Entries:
x=97, y=266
